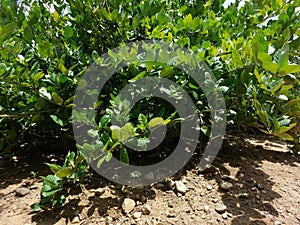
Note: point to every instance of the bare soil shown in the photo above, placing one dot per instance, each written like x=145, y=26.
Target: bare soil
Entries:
x=264, y=174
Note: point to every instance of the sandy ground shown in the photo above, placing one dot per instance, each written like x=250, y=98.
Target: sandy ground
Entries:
x=265, y=180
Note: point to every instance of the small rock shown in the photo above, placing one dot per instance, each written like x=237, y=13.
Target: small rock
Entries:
x=243, y=158
x=128, y=205
x=118, y=186
x=206, y=208
x=220, y=208
x=224, y=215
x=209, y=187
x=22, y=191
x=125, y=190
x=137, y=197
x=143, y=198
x=108, y=219
x=137, y=215
x=99, y=191
x=170, y=183
x=227, y=177
x=226, y=186
x=180, y=187
x=214, y=200
x=170, y=205
x=229, y=214
x=276, y=222
x=26, y=183
x=146, y=209
x=244, y=195
x=171, y=213
x=32, y=187
x=260, y=187
x=75, y=219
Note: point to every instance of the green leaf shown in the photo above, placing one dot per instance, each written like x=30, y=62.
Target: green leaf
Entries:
x=284, y=90
x=284, y=70
x=127, y=131
x=108, y=156
x=236, y=58
x=28, y=33
x=57, y=120
x=282, y=56
x=53, y=167
x=264, y=57
x=205, y=130
x=38, y=76
x=188, y=20
x=259, y=44
x=115, y=133
x=51, y=180
x=100, y=161
x=95, y=55
x=68, y=32
x=88, y=147
x=142, y=143
x=122, y=134
x=57, y=99
x=64, y=172
x=36, y=207
x=45, y=49
x=104, y=121
x=155, y=122
x=79, y=160
x=266, y=61
x=285, y=128
x=142, y=121
x=277, y=86
x=284, y=136
x=293, y=102
x=161, y=17
x=62, y=68
x=124, y=155
x=139, y=76
x=48, y=194
x=6, y=31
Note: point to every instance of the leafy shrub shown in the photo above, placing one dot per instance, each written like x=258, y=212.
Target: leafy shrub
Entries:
x=53, y=192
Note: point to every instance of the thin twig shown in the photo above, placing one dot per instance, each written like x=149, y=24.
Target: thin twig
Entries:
x=26, y=114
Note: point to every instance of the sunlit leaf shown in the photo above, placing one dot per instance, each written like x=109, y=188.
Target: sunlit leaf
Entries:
x=57, y=120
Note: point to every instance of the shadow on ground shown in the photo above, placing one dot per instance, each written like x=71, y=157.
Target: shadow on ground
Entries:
x=250, y=198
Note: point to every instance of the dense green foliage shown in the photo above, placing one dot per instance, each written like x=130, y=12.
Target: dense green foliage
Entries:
x=253, y=51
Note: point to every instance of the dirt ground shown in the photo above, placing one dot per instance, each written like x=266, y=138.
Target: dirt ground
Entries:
x=264, y=175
